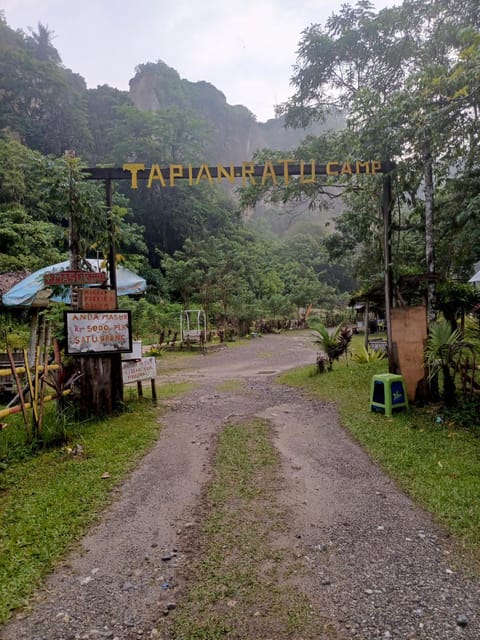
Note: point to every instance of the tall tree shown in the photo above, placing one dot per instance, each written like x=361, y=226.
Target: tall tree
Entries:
x=40, y=102
x=40, y=43
x=395, y=75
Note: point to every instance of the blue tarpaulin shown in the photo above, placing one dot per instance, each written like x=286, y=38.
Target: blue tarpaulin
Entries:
x=27, y=291
x=475, y=278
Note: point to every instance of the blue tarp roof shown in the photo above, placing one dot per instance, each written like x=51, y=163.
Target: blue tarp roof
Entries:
x=475, y=278
x=26, y=291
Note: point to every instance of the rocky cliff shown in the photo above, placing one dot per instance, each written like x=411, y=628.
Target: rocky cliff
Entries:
x=236, y=133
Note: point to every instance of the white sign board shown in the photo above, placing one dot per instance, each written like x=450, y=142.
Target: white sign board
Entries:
x=98, y=332
x=134, y=371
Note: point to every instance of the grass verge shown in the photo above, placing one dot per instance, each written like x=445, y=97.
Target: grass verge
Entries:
x=48, y=500
x=435, y=461
x=242, y=580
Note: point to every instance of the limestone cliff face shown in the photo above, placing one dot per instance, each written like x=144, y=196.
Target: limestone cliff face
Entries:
x=236, y=134
x=142, y=93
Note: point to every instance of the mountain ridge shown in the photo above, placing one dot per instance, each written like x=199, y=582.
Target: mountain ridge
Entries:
x=238, y=134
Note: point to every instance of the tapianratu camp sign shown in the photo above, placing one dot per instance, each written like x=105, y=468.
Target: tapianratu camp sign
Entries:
x=247, y=172
x=244, y=174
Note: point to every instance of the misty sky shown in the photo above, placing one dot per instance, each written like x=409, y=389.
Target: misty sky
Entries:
x=247, y=49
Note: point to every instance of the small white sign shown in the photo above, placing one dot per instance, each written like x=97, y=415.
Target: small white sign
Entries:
x=134, y=371
x=136, y=351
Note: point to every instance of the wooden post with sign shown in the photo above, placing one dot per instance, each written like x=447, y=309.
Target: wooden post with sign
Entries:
x=100, y=382
x=94, y=338
x=116, y=381
x=139, y=370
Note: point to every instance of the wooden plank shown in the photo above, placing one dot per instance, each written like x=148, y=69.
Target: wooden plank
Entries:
x=258, y=170
x=73, y=277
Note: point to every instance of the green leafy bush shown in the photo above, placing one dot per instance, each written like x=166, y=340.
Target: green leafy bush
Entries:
x=364, y=356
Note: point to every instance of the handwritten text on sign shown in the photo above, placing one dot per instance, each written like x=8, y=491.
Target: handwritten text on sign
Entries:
x=73, y=277
x=98, y=332
x=134, y=371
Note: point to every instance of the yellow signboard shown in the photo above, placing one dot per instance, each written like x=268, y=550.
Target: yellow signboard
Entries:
x=248, y=172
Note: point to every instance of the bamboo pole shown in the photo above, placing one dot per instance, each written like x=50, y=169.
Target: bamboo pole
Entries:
x=22, y=406
x=8, y=372
x=42, y=388
x=37, y=375
x=28, y=405
x=31, y=390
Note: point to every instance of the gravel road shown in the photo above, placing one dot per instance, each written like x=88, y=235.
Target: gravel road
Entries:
x=375, y=564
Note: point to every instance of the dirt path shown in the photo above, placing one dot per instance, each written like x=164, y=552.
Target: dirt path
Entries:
x=374, y=563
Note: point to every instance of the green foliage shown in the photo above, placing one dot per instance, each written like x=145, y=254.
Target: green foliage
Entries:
x=188, y=242
x=443, y=346
x=104, y=111
x=405, y=79
x=401, y=80
x=30, y=234
x=366, y=356
x=465, y=415
x=455, y=300
x=332, y=344
x=59, y=477
x=41, y=102
x=40, y=196
x=237, y=277
x=149, y=320
x=14, y=334
x=443, y=353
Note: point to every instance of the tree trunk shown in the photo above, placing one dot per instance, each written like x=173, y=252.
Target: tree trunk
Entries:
x=387, y=259
x=449, y=391
x=365, y=322
x=97, y=395
x=429, y=228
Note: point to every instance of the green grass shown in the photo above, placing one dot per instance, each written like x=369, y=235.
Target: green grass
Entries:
x=48, y=500
x=241, y=582
x=437, y=463
x=164, y=392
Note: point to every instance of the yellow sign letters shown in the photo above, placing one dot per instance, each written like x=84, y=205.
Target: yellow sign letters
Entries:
x=247, y=172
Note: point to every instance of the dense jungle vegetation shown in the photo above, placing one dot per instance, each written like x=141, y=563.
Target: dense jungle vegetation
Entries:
x=406, y=83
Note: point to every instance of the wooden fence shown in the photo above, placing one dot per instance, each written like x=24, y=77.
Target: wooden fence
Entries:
x=31, y=382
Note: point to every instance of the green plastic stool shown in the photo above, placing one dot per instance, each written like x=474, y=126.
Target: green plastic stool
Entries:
x=388, y=393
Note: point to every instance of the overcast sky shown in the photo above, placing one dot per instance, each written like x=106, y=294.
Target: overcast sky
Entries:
x=246, y=49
